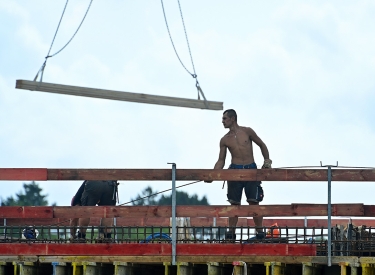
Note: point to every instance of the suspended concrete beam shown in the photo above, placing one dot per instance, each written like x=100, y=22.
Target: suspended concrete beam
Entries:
x=67, y=212
x=187, y=174
x=117, y=95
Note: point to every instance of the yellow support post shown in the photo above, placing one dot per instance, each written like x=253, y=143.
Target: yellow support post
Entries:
x=77, y=268
x=368, y=269
x=166, y=268
x=343, y=268
x=267, y=265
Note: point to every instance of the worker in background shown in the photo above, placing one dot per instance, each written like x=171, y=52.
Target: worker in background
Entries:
x=239, y=140
x=76, y=201
x=98, y=193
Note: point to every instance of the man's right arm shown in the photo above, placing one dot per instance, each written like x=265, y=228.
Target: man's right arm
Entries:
x=222, y=155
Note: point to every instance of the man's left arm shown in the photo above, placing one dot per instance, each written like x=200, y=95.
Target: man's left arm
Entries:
x=263, y=148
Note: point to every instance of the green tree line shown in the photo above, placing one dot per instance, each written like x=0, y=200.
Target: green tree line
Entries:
x=147, y=197
x=29, y=196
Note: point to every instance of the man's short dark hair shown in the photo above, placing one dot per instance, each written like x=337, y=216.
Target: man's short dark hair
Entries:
x=231, y=113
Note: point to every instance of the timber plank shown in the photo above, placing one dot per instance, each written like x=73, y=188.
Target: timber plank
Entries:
x=18, y=258
x=195, y=221
x=157, y=249
x=26, y=212
x=29, y=174
x=110, y=174
x=117, y=95
x=112, y=211
x=187, y=174
x=67, y=212
x=227, y=259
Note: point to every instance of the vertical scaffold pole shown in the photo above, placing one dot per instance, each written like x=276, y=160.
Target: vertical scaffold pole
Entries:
x=173, y=213
x=329, y=213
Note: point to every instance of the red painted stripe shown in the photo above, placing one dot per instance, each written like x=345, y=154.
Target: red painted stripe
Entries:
x=28, y=174
x=149, y=249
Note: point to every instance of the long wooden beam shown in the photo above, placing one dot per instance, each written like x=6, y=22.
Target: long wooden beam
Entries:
x=224, y=259
x=156, y=249
x=66, y=212
x=187, y=174
x=117, y=95
x=194, y=221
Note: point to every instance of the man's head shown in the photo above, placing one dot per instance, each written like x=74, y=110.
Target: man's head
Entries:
x=229, y=117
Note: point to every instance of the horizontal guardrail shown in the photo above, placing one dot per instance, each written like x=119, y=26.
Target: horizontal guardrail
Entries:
x=194, y=221
x=292, y=210
x=46, y=174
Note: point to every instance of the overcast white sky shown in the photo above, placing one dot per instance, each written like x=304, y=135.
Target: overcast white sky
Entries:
x=301, y=74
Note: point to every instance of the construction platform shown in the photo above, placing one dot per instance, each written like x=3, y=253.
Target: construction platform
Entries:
x=297, y=241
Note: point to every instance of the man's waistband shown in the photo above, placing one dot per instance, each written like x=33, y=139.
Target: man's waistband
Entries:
x=245, y=166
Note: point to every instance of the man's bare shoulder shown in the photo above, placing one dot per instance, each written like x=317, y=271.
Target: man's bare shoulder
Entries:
x=248, y=130
x=225, y=138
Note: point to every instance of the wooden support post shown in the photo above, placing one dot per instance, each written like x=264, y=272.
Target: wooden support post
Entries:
x=310, y=269
x=59, y=268
x=184, y=268
x=214, y=268
x=116, y=95
x=24, y=268
x=122, y=268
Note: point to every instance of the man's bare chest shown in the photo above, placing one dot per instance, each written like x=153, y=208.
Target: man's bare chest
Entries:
x=239, y=140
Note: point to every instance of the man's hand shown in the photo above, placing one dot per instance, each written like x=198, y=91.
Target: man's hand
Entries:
x=267, y=164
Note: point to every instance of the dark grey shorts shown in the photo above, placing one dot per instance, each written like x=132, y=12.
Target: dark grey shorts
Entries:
x=234, y=192
x=98, y=192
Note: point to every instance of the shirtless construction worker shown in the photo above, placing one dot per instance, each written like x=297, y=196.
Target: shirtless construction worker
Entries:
x=239, y=142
